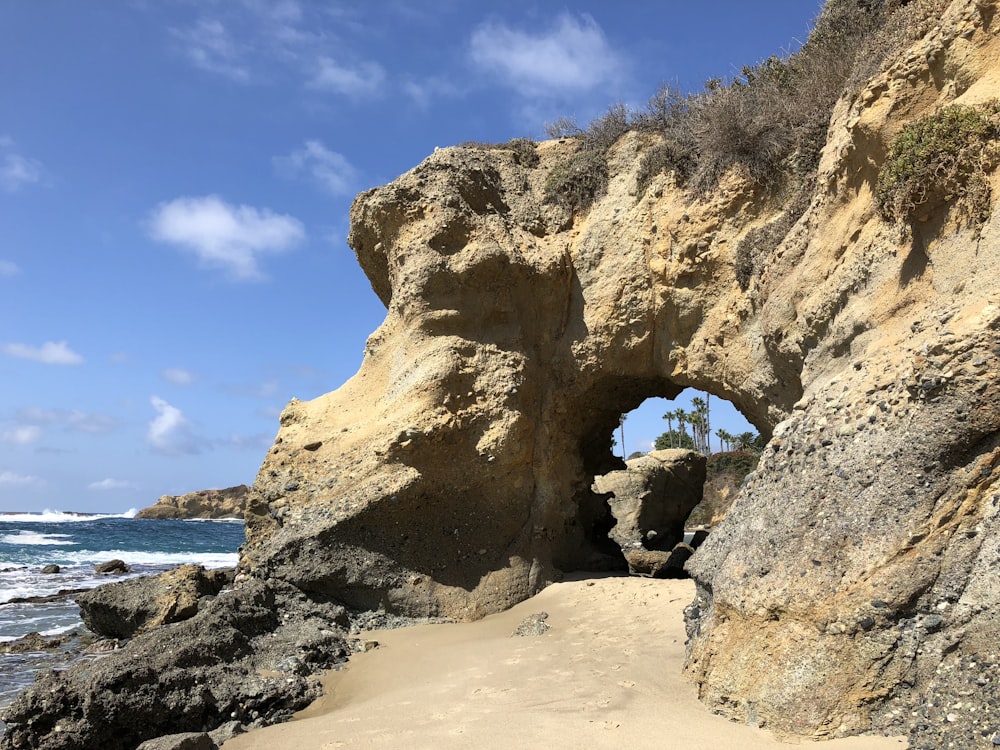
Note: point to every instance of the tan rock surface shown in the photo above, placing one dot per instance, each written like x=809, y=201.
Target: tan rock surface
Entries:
x=225, y=503
x=452, y=474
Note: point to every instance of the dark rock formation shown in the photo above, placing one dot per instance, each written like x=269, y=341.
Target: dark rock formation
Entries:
x=50, y=569
x=246, y=654
x=185, y=741
x=125, y=608
x=113, y=567
x=226, y=503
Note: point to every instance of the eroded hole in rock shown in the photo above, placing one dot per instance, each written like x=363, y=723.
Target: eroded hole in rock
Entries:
x=682, y=463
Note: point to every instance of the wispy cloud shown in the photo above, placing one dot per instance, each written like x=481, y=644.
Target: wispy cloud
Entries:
x=329, y=169
x=170, y=432
x=8, y=269
x=16, y=171
x=256, y=41
x=12, y=478
x=73, y=420
x=177, y=376
x=363, y=78
x=49, y=353
x=111, y=484
x=224, y=236
x=573, y=56
x=21, y=435
x=208, y=45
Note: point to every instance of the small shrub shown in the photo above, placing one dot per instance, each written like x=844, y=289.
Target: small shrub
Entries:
x=940, y=159
x=757, y=245
x=577, y=182
x=738, y=463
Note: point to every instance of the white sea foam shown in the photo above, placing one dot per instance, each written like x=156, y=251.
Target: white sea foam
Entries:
x=133, y=557
x=32, y=539
x=212, y=520
x=58, y=516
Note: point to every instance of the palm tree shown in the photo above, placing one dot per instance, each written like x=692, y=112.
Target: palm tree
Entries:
x=669, y=416
x=725, y=438
x=744, y=441
x=621, y=428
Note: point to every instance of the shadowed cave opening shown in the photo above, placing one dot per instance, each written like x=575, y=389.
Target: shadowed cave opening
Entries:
x=675, y=467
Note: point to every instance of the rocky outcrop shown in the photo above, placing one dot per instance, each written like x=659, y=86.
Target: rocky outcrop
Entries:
x=650, y=499
x=243, y=660
x=125, y=608
x=226, y=503
x=452, y=474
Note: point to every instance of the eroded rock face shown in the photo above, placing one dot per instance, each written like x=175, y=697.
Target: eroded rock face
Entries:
x=125, y=608
x=245, y=657
x=650, y=499
x=451, y=476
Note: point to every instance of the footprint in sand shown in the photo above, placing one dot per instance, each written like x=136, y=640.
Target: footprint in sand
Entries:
x=626, y=684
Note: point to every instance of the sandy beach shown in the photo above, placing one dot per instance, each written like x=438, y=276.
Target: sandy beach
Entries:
x=607, y=674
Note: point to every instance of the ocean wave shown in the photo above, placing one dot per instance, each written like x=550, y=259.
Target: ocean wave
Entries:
x=30, y=538
x=212, y=520
x=152, y=557
x=58, y=516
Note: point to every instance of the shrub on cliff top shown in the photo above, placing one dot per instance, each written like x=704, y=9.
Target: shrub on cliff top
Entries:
x=941, y=159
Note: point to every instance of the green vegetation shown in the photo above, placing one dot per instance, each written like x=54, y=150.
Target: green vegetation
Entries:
x=769, y=123
x=941, y=159
x=699, y=420
x=738, y=463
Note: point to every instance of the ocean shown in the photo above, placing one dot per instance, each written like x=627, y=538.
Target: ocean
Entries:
x=77, y=542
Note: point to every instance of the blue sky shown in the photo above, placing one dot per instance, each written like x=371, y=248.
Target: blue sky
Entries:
x=175, y=178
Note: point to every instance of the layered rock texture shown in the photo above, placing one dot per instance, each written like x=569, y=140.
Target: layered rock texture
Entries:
x=224, y=503
x=452, y=474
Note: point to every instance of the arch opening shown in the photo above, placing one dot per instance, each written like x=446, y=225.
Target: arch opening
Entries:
x=678, y=464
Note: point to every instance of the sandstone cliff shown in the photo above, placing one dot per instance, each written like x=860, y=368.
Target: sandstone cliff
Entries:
x=855, y=573
x=226, y=503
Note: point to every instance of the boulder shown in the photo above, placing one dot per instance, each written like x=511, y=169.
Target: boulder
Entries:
x=50, y=569
x=125, y=608
x=112, y=567
x=652, y=497
x=184, y=741
x=209, y=504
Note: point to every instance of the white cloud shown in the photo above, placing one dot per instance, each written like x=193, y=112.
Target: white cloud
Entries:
x=16, y=171
x=169, y=432
x=209, y=46
x=21, y=435
x=329, y=169
x=361, y=79
x=224, y=236
x=72, y=419
x=9, y=477
x=573, y=56
x=177, y=376
x=49, y=353
x=8, y=269
x=111, y=484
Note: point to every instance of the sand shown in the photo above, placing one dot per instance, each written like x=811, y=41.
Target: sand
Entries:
x=607, y=674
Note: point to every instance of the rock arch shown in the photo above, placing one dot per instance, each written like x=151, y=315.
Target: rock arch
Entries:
x=451, y=475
